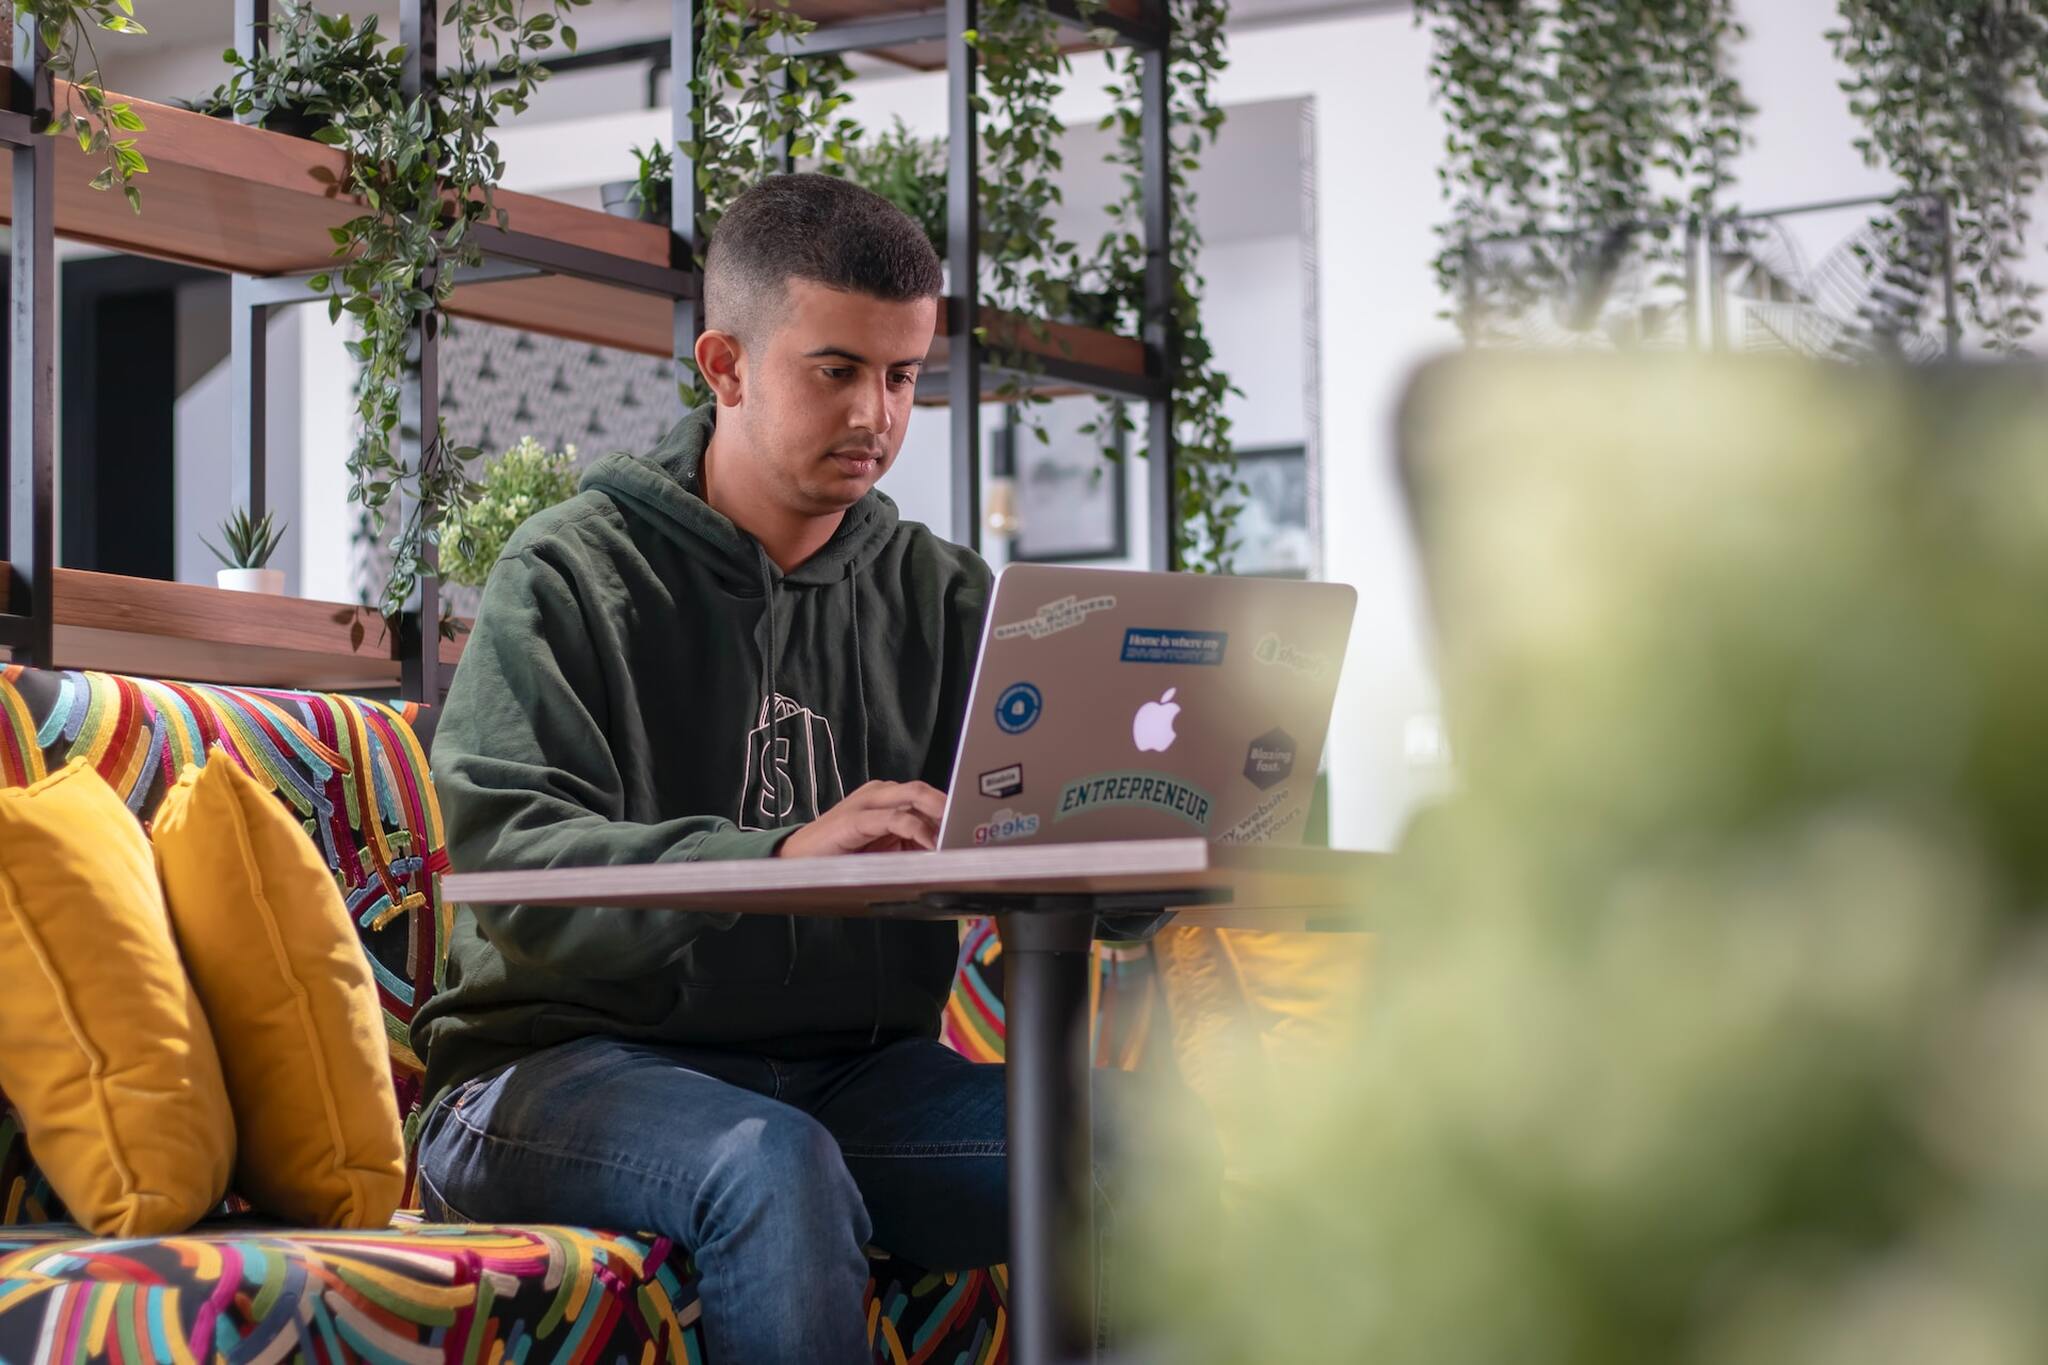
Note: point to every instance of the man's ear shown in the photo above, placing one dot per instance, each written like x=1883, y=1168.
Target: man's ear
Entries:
x=720, y=360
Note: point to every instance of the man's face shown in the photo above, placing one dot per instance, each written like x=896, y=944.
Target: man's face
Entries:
x=829, y=390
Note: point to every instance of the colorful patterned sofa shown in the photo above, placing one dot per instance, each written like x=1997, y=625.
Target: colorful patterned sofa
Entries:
x=236, y=1289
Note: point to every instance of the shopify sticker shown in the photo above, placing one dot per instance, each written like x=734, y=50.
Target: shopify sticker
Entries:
x=1273, y=651
x=1017, y=710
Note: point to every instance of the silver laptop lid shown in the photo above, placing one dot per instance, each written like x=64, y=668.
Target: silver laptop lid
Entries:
x=1117, y=705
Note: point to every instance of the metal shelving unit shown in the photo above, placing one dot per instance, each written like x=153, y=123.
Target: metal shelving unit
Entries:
x=257, y=205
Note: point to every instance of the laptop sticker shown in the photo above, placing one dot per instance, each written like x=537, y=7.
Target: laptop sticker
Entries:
x=1017, y=710
x=1277, y=653
x=1155, y=791
x=1263, y=823
x=1054, y=617
x=1003, y=783
x=1174, y=646
x=1005, y=825
x=1270, y=760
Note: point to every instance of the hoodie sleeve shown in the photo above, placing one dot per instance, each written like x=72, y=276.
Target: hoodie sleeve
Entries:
x=526, y=779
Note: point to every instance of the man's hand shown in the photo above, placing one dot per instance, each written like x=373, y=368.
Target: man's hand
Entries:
x=882, y=817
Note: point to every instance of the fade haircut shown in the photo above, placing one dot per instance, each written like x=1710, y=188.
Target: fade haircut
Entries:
x=810, y=227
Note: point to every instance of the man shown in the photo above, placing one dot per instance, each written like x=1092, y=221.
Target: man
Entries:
x=730, y=648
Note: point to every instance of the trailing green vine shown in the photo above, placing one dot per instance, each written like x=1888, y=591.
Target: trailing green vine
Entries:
x=1208, y=494
x=1587, y=129
x=65, y=27
x=1026, y=267
x=750, y=101
x=425, y=170
x=1952, y=98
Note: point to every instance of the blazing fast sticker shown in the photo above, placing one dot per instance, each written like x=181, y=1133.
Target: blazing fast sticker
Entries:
x=1174, y=646
x=1154, y=791
x=1272, y=650
x=1017, y=710
x=1003, y=782
x=1005, y=825
x=1054, y=617
x=1270, y=759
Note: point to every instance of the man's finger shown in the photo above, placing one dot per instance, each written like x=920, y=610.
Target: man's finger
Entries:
x=928, y=801
x=912, y=829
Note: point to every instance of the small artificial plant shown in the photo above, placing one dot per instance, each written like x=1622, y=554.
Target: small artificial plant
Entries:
x=251, y=540
x=524, y=480
x=654, y=182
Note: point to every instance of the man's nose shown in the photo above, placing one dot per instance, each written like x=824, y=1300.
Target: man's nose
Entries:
x=871, y=407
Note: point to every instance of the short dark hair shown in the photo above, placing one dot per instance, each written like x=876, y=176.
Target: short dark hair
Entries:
x=811, y=227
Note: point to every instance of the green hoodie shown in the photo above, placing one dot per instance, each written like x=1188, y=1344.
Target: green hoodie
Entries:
x=643, y=685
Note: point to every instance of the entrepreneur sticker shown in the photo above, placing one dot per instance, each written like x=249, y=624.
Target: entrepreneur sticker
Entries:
x=1155, y=791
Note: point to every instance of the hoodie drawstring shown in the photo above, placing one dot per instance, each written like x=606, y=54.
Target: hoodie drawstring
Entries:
x=774, y=715
x=860, y=698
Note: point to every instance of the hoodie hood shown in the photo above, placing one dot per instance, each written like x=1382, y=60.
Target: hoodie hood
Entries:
x=664, y=487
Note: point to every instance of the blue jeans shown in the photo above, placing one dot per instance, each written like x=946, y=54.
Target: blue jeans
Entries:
x=774, y=1175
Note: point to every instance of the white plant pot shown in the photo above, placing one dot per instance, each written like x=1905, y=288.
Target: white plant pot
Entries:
x=251, y=580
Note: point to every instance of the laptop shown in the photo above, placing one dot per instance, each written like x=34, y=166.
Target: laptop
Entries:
x=1110, y=704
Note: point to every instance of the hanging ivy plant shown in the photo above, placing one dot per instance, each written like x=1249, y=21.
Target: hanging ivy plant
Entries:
x=1208, y=494
x=1952, y=97
x=750, y=101
x=1026, y=266
x=426, y=171
x=1585, y=129
x=66, y=28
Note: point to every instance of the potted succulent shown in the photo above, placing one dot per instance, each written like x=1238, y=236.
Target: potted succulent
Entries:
x=648, y=196
x=251, y=541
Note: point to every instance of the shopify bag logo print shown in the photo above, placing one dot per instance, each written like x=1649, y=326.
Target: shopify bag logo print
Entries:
x=792, y=772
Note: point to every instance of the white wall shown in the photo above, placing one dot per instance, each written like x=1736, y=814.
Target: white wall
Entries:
x=1377, y=143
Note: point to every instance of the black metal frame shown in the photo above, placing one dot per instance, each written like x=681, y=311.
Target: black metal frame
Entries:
x=508, y=253
x=27, y=626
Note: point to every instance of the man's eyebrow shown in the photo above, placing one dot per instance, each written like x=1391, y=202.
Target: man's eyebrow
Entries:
x=856, y=357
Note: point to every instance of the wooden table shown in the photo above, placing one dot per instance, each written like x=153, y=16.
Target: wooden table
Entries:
x=1049, y=902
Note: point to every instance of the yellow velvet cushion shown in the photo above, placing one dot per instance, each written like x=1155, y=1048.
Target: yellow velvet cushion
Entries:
x=288, y=988
x=104, y=1049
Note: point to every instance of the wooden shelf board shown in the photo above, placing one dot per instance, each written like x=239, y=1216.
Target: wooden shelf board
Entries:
x=194, y=633
x=224, y=196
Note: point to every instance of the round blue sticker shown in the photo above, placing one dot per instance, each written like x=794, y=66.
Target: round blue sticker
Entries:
x=1017, y=709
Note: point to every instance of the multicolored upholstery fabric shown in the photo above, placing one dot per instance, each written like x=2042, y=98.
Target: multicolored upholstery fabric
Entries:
x=419, y=1293
x=355, y=771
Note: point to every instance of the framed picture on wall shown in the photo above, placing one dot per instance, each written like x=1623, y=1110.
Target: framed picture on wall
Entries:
x=1273, y=533
x=1070, y=495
